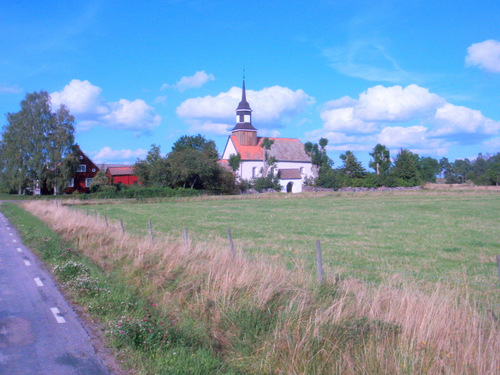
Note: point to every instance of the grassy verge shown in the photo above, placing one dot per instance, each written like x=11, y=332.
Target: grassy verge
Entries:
x=147, y=339
x=262, y=318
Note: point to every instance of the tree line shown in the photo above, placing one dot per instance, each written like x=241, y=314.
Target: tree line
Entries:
x=406, y=169
x=192, y=163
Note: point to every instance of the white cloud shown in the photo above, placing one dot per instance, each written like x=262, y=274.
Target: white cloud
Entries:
x=195, y=81
x=215, y=114
x=218, y=107
x=161, y=99
x=452, y=119
x=410, y=117
x=492, y=145
x=15, y=89
x=269, y=133
x=136, y=115
x=398, y=136
x=207, y=127
x=85, y=102
x=485, y=55
x=397, y=104
x=81, y=97
x=342, y=119
x=107, y=154
x=273, y=104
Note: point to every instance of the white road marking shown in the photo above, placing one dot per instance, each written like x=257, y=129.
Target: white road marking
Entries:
x=14, y=241
x=11, y=234
x=38, y=282
x=27, y=262
x=57, y=315
x=19, y=250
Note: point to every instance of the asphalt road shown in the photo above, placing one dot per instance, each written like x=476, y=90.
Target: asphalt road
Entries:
x=39, y=331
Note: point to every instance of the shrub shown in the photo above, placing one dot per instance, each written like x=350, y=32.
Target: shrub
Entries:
x=269, y=182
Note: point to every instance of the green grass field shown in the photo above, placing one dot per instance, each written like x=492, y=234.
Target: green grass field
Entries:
x=447, y=236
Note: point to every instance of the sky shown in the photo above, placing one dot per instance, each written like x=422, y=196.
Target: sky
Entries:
x=415, y=74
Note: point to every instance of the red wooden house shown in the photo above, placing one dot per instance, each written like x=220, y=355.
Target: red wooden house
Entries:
x=122, y=174
x=84, y=174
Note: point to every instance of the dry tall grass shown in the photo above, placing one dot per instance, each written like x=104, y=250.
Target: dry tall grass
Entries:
x=344, y=327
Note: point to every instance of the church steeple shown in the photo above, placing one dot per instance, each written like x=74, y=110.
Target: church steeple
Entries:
x=244, y=113
x=244, y=130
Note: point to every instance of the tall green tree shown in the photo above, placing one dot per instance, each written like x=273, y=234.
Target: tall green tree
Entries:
x=406, y=166
x=193, y=164
x=235, y=162
x=462, y=169
x=319, y=158
x=197, y=143
x=36, y=141
x=493, y=171
x=154, y=169
x=268, y=161
x=445, y=166
x=352, y=166
x=428, y=169
x=381, y=162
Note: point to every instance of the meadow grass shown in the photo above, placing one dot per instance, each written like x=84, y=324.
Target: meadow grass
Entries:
x=426, y=235
x=263, y=318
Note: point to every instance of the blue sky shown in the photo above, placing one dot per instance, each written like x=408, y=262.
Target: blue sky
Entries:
x=422, y=75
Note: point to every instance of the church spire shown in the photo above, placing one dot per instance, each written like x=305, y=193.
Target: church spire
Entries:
x=243, y=112
x=243, y=106
x=244, y=130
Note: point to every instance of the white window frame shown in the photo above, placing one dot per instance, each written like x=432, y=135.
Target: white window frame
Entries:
x=71, y=182
x=88, y=181
x=82, y=168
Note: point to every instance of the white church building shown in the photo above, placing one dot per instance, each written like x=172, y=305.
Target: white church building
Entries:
x=293, y=165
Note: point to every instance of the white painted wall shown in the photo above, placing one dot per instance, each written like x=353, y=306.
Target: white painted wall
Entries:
x=247, y=168
x=296, y=187
x=229, y=150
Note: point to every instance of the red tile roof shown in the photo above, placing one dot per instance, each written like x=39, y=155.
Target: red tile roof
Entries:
x=283, y=149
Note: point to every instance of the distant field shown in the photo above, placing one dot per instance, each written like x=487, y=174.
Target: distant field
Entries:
x=426, y=235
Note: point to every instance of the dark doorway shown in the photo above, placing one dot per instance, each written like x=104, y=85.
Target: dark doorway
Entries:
x=289, y=187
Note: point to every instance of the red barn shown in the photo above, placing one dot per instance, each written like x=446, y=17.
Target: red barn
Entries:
x=123, y=174
x=84, y=174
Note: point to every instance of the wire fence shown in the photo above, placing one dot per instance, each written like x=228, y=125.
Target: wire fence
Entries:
x=367, y=273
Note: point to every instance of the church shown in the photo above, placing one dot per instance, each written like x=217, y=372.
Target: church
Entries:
x=293, y=165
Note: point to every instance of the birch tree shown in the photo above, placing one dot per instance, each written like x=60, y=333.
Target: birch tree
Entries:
x=35, y=141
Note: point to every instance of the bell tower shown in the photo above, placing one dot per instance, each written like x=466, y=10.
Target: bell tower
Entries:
x=244, y=130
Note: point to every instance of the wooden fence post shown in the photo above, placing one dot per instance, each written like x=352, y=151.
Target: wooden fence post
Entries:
x=87, y=211
x=95, y=215
x=319, y=261
x=186, y=238
x=121, y=224
x=231, y=242
x=151, y=231
x=498, y=266
x=106, y=220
